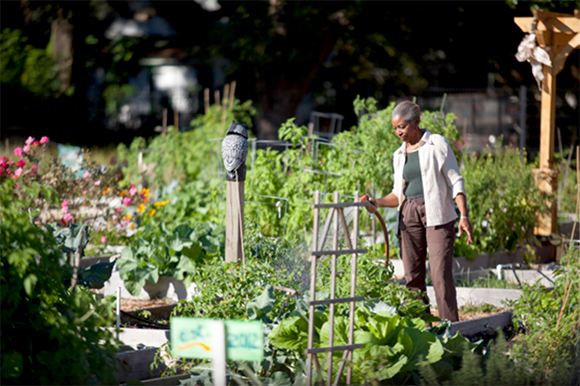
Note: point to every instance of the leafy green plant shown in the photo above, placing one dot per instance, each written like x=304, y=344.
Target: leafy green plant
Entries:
x=395, y=346
x=551, y=318
x=198, y=156
x=160, y=252
x=45, y=325
x=503, y=199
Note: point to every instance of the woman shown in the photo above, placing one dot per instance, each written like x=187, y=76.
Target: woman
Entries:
x=427, y=179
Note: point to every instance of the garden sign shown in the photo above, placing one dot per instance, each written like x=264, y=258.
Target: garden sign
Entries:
x=197, y=338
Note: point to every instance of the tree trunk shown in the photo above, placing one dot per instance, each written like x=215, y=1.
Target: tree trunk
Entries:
x=62, y=44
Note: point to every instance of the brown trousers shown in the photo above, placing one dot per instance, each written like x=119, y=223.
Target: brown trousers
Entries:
x=416, y=238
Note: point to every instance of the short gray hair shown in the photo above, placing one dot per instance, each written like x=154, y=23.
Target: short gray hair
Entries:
x=407, y=110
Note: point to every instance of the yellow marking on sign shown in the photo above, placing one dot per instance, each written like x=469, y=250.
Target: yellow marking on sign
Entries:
x=194, y=344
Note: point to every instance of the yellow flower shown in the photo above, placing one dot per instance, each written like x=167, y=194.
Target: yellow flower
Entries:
x=152, y=212
x=128, y=217
x=132, y=226
x=141, y=208
x=145, y=192
x=162, y=203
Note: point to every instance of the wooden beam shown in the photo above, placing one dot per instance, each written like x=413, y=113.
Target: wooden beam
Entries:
x=568, y=24
x=562, y=54
x=234, y=224
x=548, y=119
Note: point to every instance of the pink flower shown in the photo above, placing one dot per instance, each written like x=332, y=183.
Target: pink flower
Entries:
x=17, y=172
x=21, y=163
x=3, y=164
x=127, y=219
x=98, y=183
x=26, y=148
x=44, y=139
x=126, y=201
x=35, y=143
x=64, y=209
x=10, y=162
x=8, y=172
x=118, y=210
x=34, y=167
x=68, y=217
x=29, y=140
x=86, y=175
x=103, y=239
x=64, y=204
x=18, y=151
x=84, y=192
x=115, y=217
x=133, y=191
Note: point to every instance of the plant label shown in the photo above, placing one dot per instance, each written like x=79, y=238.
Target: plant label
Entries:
x=196, y=338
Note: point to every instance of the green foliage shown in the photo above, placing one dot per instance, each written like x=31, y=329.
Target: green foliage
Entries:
x=45, y=326
x=184, y=156
x=116, y=96
x=551, y=317
x=156, y=252
x=395, y=346
x=502, y=198
x=32, y=68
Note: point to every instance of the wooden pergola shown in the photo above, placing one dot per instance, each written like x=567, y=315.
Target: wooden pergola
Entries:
x=559, y=35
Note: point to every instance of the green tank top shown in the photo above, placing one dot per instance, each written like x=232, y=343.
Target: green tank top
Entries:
x=412, y=176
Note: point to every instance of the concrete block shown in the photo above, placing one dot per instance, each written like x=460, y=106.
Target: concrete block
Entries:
x=478, y=296
x=135, y=365
x=166, y=287
x=136, y=337
x=481, y=325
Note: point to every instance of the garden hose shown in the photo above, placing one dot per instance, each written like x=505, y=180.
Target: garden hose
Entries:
x=383, y=225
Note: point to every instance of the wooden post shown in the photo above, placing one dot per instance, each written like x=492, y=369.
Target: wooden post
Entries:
x=559, y=34
x=313, y=261
x=232, y=92
x=352, y=286
x=234, y=223
x=216, y=97
x=206, y=100
x=225, y=103
x=164, y=123
x=176, y=119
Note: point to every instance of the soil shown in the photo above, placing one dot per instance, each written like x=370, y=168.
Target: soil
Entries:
x=471, y=315
x=134, y=304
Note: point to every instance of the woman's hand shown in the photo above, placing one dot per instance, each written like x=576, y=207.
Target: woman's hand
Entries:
x=465, y=225
x=373, y=207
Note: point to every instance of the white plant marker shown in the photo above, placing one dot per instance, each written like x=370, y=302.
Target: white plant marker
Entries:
x=219, y=353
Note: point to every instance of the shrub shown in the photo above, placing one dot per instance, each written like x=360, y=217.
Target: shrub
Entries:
x=50, y=334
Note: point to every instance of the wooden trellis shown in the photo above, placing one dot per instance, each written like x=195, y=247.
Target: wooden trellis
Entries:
x=337, y=214
x=559, y=34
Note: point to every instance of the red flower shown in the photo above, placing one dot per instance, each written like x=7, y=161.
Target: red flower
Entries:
x=21, y=163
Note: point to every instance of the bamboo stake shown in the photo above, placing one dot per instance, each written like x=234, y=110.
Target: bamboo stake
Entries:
x=578, y=196
x=567, y=289
x=232, y=91
x=176, y=119
x=206, y=100
x=225, y=103
x=164, y=123
x=216, y=97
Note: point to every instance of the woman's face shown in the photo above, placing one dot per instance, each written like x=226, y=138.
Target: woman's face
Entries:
x=404, y=129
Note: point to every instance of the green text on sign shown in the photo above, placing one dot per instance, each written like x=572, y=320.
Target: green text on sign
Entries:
x=192, y=338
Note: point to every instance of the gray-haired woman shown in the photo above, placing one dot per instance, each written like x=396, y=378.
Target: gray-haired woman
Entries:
x=426, y=181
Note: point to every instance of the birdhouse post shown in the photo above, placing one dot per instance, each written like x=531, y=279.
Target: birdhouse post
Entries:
x=234, y=153
x=558, y=34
